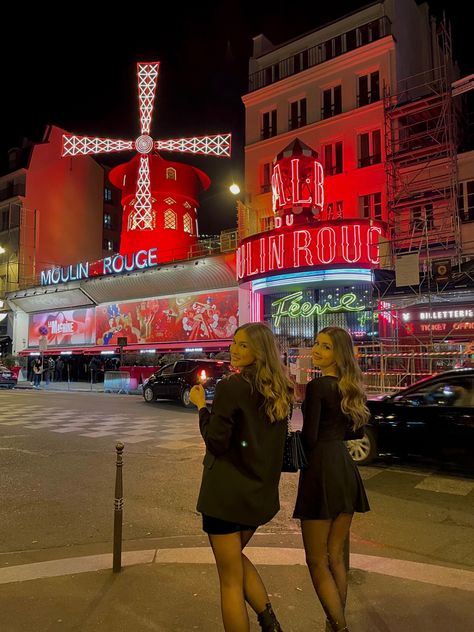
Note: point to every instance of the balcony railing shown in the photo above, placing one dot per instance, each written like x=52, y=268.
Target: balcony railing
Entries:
x=11, y=191
x=329, y=49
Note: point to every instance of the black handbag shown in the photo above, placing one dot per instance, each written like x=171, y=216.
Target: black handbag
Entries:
x=294, y=458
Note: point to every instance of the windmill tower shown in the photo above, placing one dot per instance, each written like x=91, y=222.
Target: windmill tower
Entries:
x=159, y=197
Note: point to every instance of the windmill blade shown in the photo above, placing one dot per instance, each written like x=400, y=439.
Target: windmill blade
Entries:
x=218, y=145
x=147, y=80
x=83, y=145
x=143, y=216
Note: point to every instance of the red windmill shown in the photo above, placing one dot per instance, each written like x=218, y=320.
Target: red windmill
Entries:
x=159, y=197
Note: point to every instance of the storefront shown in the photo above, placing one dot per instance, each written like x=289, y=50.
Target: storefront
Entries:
x=309, y=271
x=128, y=314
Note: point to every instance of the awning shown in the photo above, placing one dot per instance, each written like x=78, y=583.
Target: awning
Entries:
x=182, y=277
x=163, y=347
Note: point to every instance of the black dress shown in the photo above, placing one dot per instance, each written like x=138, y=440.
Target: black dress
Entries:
x=331, y=484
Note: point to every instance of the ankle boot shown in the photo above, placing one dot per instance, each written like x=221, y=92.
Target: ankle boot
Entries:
x=268, y=621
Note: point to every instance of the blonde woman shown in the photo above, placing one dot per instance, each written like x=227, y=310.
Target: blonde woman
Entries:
x=244, y=435
x=330, y=490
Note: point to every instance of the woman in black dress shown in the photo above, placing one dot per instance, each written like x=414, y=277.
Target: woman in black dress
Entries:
x=330, y=490
x=244, y=435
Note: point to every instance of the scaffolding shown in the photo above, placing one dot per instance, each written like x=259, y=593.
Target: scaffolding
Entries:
x=421, y=162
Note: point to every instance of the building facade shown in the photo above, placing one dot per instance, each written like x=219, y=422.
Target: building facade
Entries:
x=53, y=212
x=371, y=95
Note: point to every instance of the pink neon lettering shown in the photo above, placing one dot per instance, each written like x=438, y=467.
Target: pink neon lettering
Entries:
x=305, y=247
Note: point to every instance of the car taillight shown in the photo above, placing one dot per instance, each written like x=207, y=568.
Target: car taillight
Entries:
x=203, y=375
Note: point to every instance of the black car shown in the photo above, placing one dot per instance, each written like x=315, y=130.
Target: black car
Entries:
x=174, y=381
x=7, y=377
x=432, y=419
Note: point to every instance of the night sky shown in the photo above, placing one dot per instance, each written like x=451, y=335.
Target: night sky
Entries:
x=78, y=71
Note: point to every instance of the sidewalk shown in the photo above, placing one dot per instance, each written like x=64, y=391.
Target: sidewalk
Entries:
x=174, y=588
x=83, y=387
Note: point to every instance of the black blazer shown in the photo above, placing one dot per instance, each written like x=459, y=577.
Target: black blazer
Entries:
x=244, y=453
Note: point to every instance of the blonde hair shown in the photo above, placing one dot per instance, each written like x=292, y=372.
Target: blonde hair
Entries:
x=268, y=375
x=353, y=402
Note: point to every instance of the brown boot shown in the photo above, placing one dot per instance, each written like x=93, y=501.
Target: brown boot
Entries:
x=268, y=621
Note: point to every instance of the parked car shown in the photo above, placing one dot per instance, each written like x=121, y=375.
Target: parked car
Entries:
x=7, y=377
x=432, y=419
x=175, y=380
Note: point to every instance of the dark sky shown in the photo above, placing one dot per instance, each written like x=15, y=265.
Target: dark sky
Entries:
x=78, y=71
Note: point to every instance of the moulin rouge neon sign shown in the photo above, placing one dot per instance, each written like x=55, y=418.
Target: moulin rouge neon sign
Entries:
x=292, y=307
x=343, y=242
x=299, y=185
x=115, y=264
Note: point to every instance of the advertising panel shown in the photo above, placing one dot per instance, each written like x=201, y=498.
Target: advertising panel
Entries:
x=196, y=317
x=63, y=328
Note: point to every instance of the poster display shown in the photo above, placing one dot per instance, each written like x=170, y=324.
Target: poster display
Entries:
x=182, y=318
x=62, y=328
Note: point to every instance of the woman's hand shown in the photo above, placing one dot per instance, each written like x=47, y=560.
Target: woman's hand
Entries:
x=197, y=396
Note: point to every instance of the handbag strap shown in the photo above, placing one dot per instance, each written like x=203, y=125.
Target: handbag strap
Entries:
x=288, y=419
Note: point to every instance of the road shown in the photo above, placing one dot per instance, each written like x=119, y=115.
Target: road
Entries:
x=57, y=474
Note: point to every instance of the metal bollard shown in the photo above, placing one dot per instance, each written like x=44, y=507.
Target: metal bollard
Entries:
x=118, y=511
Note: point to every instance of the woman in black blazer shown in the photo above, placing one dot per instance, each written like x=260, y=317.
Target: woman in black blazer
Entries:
x=244, y=435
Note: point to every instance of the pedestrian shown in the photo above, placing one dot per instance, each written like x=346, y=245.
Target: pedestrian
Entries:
x=50, y=367
x=244, y=435
x=330, y=489
x=94, y=367
x=37, y=371
x=58, y=372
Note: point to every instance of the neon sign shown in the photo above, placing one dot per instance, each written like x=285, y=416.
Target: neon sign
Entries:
x=115, y=264
x=298, y=183
x=292, y=307
x=342, y=242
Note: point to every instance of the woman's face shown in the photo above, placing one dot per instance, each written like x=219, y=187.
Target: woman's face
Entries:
x=240, y=352
x=323, y=352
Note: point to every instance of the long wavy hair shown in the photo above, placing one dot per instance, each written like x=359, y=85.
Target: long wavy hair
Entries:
x=354, y=400
x=267, y=375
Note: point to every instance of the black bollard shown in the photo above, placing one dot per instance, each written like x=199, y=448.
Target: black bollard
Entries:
x=118, y=511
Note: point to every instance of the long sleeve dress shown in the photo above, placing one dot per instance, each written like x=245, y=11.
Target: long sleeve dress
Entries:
x=331, y=484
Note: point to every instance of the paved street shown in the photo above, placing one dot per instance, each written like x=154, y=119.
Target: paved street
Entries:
x=57, y=474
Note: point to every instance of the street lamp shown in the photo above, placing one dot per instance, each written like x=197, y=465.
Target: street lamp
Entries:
x=234, y=189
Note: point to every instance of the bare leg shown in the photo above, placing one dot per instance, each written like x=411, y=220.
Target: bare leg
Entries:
x=337, y=537
x=227, y=551
x=254, y=589
x=315, y=539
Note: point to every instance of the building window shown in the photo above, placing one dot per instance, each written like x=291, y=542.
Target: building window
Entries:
x=422, y=218
x=369, y=148
x=269, y=124
x=4, y=216
x=300, y=61
x=266, y=184
x=108, y=244
x=188, y=223
x=334, y=210
x=332, y=102
x=107, y=220
x=332, y=158
x=368, y=89
x=371, y=206
x=108, y=194
x=170, y=173
x=368, y=33
x=297, y=114
x=170, y=219
x=466, y=201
